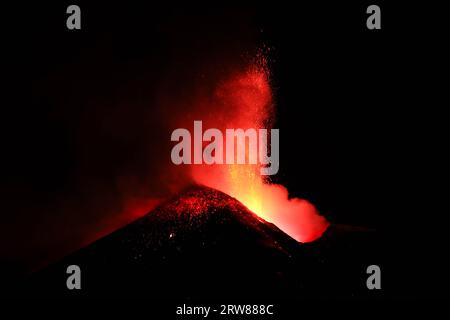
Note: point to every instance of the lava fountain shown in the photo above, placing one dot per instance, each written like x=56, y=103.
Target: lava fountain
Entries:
x=245, y=100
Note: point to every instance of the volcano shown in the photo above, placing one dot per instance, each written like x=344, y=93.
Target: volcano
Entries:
x=202, y=243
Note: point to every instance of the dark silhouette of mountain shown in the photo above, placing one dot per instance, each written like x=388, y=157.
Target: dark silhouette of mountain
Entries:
x=206, y=244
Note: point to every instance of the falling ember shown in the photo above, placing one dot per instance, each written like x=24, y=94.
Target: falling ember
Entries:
x=247, y=99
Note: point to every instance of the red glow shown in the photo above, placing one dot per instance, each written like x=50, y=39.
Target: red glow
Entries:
x=245, y=101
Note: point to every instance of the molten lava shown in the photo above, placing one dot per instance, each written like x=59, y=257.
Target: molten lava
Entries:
x=245, y=101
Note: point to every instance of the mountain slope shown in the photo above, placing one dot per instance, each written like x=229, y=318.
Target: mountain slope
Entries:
x=198, y=244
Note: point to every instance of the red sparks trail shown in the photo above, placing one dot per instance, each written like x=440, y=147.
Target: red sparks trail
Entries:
x=247, y=97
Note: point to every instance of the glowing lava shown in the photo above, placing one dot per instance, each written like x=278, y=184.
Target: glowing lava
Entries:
x=245, y=101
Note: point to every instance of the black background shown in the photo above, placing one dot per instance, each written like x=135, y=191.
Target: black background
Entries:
x=358, y=112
